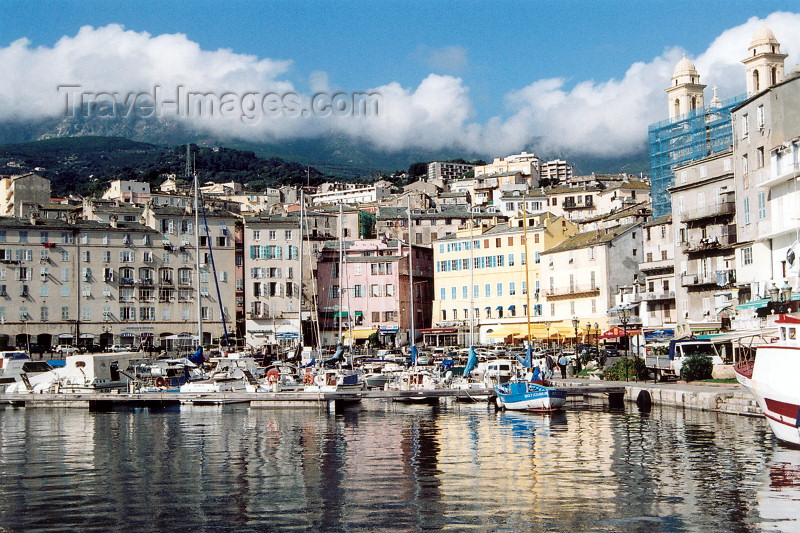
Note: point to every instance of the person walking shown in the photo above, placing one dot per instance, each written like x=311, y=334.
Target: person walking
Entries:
x=563, y=361
x=551, y=365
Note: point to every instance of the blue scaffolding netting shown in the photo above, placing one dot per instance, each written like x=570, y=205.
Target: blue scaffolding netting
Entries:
x=686, y=138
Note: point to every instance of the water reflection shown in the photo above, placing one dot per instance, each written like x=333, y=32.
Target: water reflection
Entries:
x=393, y=469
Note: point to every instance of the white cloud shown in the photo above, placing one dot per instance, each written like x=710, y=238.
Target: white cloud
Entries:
x=587, y=117
x=446, y=60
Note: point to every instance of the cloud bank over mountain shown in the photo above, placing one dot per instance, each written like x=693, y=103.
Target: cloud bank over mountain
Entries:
x=118, y=69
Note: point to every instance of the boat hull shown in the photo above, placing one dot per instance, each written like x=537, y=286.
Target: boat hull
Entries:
x=527, y=396
x=771, y=379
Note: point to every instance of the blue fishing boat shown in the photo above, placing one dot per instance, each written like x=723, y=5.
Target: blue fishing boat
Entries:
x=529, y=396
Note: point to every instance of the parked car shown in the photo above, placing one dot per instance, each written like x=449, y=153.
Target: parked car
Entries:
x=65, y=349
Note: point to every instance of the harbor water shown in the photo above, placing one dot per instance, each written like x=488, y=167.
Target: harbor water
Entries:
x=384, y=466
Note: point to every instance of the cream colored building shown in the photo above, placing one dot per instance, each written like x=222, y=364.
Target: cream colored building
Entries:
x=582, y=275
x=488, y=278
x=525, y=163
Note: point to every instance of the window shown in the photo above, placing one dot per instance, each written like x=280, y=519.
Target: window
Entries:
x=487, y=290
x=375, y=290
x=147, y=257
x=760, y=117
x=256, y=235
x=389, y=290
x=745, y=127
x=762, y=205
x=747, y=255
x=745, y=168
x=746, y=210
x=127, y=256
x=65, y=312
x=512, y=288
x=453, y=293
x=499, y=289
x=760, y=157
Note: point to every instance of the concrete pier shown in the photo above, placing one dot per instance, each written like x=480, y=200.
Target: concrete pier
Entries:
x=284, y=399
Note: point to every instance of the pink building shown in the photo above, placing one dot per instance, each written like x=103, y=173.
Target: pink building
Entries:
x=367, y=291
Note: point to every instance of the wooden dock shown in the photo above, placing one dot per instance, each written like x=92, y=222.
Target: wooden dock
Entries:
x=103, y=401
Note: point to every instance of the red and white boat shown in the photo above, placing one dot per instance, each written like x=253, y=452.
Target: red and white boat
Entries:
x=773, y=377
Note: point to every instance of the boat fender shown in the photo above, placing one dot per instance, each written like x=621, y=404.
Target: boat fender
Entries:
x=272, y=376
x=644, y=402
x=308, y=379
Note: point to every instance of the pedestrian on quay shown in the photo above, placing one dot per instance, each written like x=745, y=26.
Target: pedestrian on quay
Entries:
x=563, y=361
x=551, y=365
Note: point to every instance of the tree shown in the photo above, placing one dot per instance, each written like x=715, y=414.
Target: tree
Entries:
x=418, y=169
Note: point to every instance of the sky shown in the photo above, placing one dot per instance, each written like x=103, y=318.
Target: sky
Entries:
x=493, y=78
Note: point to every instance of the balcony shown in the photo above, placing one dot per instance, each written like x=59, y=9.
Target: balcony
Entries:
x=572, y=291
x=662, y=264
x=709, y=211
x=657, y=295
x=126, y=281
x=573, y=205
x=697, y=280
x=710, y=243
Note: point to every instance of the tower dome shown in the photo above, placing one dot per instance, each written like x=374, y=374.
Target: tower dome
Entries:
x=683, y=67
x=764, y=61
x=763, y=35
x=685, y=92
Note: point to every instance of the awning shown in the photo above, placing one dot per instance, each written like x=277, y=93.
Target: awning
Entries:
x=755, y=304
x=511, y=307
x=65, y=335
x=359, y=334
x=706, y=326
x=499, y=308
x=433, y=331
x=565, y=331
x=617, y=332
x=501, y=332
x=358, y=313
x=86, y=336
x=340, y=314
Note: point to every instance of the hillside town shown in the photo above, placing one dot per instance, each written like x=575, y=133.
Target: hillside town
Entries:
x=468, y=254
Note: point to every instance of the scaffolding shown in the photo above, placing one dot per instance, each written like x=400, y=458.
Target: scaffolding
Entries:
x=679, y=140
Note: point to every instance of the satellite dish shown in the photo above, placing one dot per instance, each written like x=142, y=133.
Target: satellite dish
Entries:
x=791, y=254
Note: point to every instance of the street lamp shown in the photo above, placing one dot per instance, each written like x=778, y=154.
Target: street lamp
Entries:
x=597, y=340
x=624, y=314
x=780, y=297
x=575, y=323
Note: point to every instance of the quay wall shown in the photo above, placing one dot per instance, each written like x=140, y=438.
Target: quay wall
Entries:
x=721, y=399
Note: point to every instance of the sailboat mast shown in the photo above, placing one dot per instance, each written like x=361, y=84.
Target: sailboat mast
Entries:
x=411, y=336
x=300, y=275
x=471, y=279
x=197, y=254
x=341, y=270
x=527, y=261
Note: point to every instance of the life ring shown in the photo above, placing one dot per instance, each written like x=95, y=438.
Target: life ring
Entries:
x=308, y=379
x=273, y=376
x=160, y=382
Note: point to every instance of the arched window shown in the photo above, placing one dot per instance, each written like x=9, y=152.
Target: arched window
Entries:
x=694, y=102
x=774, y=76
x=677, y=107
x=755, y=81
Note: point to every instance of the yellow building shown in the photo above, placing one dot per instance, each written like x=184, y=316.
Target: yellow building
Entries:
x=488, y=278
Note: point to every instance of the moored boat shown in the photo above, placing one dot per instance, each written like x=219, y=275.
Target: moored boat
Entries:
x=529, y=396
x=772, y=379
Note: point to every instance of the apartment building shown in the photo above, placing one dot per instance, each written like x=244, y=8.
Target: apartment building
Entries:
x=429, y=225
x=658, y=271
x=114, y=282
x=443, y=170
x=488, y=278
x=704, y=220
x=583, y=274
x=524, y=163
x=19, y=195
x=556, y=170
x=766, y=163
x=364, y=289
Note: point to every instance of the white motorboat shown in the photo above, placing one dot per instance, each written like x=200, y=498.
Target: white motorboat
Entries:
x=16, y=366
x=230, y=374
x=416, y=380
x=82, y=373
x=772, y=378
